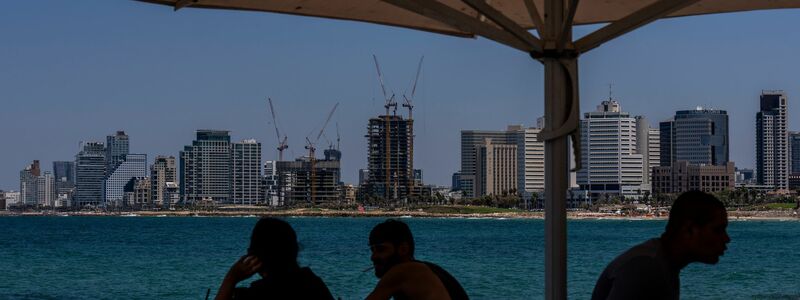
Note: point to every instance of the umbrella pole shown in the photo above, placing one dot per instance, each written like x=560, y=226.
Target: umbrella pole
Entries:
x=556, y=182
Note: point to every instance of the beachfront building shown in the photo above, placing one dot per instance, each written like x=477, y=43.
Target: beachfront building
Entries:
x=12, y=199
x=117, y=147
x=127, y=168
x=611, y=164
x=205, y=168
x=772, y=151
x=27, y=184
x=90, y=168
x=683, y=176
x=246, y=172
x=390, y=159
x=162, y=171
x=307, y=182
x=138, y=193
x=699, y=136
x=495, y=168
x=648, y=144
x=46, y=190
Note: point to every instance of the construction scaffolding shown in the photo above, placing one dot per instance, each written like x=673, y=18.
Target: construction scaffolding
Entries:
x=304, y=181
x=391, y=176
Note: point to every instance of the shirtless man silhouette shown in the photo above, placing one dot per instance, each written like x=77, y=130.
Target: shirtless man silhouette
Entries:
x=402, y=276
x=695, y=232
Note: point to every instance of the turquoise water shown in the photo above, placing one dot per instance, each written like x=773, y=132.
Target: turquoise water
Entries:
x=181, y=257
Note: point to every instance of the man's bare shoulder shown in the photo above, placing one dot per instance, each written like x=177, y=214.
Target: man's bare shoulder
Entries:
x=413, y=280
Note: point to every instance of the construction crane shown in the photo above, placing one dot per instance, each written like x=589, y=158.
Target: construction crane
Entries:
x=312, y=155
x=408, y=103
x=281, y=143
x=387, y=127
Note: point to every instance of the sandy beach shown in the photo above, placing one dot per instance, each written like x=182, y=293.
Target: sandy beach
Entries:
x=782, y=215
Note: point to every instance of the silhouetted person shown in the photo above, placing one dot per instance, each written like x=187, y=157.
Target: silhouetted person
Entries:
x=272, y=254
x=695, y=232
x=402, y=276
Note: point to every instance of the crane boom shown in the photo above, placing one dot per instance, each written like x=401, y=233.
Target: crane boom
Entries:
x=321, y=130
x=274, y=120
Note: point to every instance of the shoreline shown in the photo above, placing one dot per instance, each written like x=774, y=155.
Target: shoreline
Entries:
x=773, y=215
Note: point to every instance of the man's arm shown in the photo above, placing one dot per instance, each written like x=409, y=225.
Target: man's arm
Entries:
x=242, y=269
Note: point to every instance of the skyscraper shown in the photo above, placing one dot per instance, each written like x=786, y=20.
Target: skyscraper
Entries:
x=772, y=155
x=471, y=140
x=647, y=144
x=794, y=152
x=28, y=194
x=161, y=172
x=46, y=190
x=205, y=168
x=130, y=166
x=611, y=164
x=496, y=168
x=698, y=136
x=90, y=166
x=389, y=156
x=117, y=146
x=64, y=173
x=531, y=161
x=246, y=165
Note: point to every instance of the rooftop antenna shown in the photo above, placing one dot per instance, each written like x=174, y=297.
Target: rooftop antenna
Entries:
x=610, y=91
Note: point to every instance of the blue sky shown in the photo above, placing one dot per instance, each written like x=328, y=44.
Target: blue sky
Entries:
x=74, y=71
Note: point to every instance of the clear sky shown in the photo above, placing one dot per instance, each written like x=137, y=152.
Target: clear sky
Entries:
x=74, y=71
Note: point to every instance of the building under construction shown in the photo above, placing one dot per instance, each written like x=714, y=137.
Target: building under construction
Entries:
x=390, y=160
x=310, y=181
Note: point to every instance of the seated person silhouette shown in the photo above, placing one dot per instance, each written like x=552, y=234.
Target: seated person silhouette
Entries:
x=273, y=255
x=695, y=232
x=402, y=276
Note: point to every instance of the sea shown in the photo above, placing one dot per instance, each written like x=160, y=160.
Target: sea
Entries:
x=187, y=257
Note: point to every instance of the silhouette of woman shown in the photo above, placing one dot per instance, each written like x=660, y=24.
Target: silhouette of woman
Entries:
x=272, y=254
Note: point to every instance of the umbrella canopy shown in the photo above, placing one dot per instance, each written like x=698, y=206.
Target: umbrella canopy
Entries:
x=508, y=22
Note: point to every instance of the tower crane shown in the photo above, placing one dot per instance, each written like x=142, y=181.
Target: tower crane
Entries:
x=311, y=146
x=386, y=128
x=408, y=103
x=281, y=143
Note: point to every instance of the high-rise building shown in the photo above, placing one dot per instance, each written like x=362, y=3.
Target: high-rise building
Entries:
x=389, y=159
x=794, y=160
x=611, y=164
x=471, y=140
x=138, y=192
x=297, y=184
x=129, y=167
x=530, y=166
x=90, y=167
x=496, y=168
x=27, y=184
x=162, y=171
x=64, y=173
x=117, y=146
x=205, y=168
x=698, y=136
x=246, y=172
x=456, y=182
x=772, y=155
x=648, y=144
x=794, y=152
x=46, y=190
x=270, y=186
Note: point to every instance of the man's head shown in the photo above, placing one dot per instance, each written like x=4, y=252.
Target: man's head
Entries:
x=391, y=243
x=274, y=242
x=697, y=225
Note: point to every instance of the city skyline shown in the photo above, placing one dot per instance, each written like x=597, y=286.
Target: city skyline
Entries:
x=102, y=67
